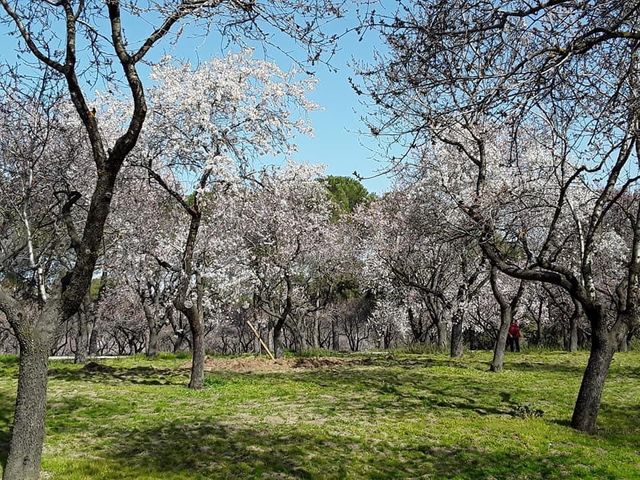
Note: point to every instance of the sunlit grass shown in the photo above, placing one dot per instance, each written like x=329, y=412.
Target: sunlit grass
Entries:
x=382, y=416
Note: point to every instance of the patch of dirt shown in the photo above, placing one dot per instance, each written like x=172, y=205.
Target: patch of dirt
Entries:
x=245, y=365
x=322, y=362
x=253, y=364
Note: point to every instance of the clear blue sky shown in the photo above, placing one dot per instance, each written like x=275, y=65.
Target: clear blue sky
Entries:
x=338, y=141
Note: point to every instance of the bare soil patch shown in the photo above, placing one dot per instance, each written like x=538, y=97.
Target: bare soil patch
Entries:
x=256, y=364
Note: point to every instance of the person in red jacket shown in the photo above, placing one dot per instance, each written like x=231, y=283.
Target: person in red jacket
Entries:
x=513, y=337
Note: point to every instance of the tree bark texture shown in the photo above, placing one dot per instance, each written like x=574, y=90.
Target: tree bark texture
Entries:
x=507, y=309
x=196, y=323
x=82, y=344
x=442, y=334
x=278, y=345
x=27, y=439
x=587, y=404
x=497, y=363
x=36, y=338
x=457, y=346
x=573, y=329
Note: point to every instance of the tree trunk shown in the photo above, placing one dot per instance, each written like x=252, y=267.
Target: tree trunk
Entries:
x=36, y=337
x=152, y=344
x=623, y=344
x=257, y=346
x=442, y=334
x=335, y=336
x=27, y=439
x=179, y=330
x=501, y=342
x=573, y=333
x=154, y=330
x=387, y=338
x=622, y=338
x=178, y=344
x=82, y=335
x=457, y=347
x=93, y=341
x=196, y=323
x=278, y=346
x=415, y=331
x=297, y=343
x=507, y=309
x=587, y=404
x=315, y=332
x=457, y=340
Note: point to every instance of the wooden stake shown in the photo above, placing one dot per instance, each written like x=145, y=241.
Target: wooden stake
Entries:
x=255, y=332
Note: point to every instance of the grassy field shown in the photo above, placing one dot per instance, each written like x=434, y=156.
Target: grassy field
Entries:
x=383, y=416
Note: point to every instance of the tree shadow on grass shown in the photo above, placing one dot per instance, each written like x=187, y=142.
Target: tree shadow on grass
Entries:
x=100, y=373
x=208, y=449
x=400, y=393
x=568, y=363
x=418, y=361
x=379, y=391
x=619, y=423
x=7, y=404
x=626, y=371
x=555, y=368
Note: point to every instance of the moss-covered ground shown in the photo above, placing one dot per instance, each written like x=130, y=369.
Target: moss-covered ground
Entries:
x=389, y=416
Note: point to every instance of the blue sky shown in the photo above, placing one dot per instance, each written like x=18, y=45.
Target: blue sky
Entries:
x=338, y=141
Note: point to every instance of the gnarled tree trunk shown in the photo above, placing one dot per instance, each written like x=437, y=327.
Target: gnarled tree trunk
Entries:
x=154, y=327
x=36, y=337
x=195, y=317
x=28, y=427
x=507, y=309
x=152, y=342
x=196, y=323
x=457, y=321
x=457, y=346
x=278, y=345
x=587, y=404
x=572, y=344
x=442, y=334
x=497, y=363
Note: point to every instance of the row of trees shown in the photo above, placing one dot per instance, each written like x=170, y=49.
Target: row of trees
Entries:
x=357, y=274
x=533, y=107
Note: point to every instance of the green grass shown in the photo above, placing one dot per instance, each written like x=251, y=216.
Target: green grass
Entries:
x=384, y=416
